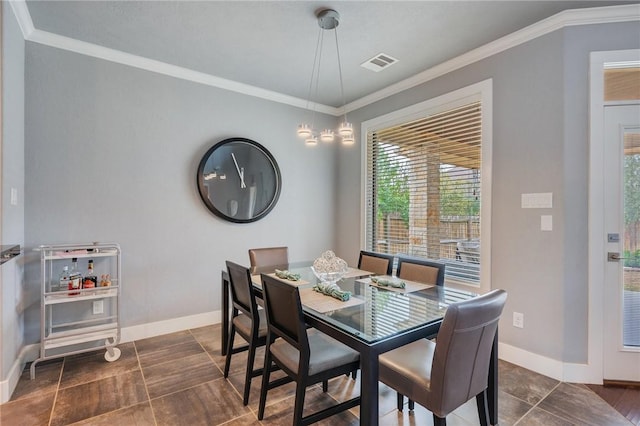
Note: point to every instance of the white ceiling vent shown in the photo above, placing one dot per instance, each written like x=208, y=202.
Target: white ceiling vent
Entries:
x=379, y=62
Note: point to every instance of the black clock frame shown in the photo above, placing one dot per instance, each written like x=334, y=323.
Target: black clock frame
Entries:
x=206, y=195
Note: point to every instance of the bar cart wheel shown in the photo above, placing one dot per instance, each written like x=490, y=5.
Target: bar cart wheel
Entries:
x=112, y=354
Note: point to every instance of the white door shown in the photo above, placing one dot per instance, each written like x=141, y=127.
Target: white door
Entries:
x=622, y=225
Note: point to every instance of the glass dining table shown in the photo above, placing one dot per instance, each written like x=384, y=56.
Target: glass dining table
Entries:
x=374, y=320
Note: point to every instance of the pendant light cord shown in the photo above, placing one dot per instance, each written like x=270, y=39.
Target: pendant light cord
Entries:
x=313, y=73
x=344, y=106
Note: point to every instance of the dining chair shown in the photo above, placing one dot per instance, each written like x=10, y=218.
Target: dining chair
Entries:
x=378, y=263
x=443, y=375
x=307, y=356
x=246, y=320
x=420, y=270
x=269, y=256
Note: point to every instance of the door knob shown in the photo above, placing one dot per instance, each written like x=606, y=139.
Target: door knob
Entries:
x=614, y=256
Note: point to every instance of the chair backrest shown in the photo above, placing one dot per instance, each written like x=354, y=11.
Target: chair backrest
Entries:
x=284, y=314
x=420, y=270
x=241, y=289
x=269, y=256
x=463, y=350
x=378, y=263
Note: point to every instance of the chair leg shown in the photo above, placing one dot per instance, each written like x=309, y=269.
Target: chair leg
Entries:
x=483, y=408
x=412, y=404
x=227, y=362
x=266, y=371
x=400, y=398
x=325, y=386
x=354, y=374
x=249, y=373
x=299, y=404
x=439, y=421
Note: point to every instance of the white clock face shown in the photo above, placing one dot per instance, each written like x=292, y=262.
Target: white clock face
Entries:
x=239, y=180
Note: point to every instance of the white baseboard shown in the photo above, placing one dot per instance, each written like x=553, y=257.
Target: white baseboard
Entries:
x=7, y=386
x=30, y=353
x=152, y=329
x=566, y=372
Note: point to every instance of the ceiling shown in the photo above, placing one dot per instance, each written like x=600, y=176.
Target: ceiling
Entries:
x=270, y=44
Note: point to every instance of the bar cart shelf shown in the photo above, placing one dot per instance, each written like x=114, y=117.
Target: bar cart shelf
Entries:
x=81, y=320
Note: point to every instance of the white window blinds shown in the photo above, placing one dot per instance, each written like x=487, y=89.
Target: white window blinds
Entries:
x=423, y=189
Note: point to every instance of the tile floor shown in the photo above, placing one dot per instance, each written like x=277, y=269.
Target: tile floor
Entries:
x=176, y=379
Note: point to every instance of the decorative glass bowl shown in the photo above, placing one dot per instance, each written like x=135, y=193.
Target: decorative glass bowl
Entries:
x=330, y=277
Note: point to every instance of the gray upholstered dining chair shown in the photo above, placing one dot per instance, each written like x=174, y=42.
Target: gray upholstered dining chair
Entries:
x=269, y=256
x=246, y=320
x=307, y=356
x=420, y=270
x=443, y=375
x=378, y=263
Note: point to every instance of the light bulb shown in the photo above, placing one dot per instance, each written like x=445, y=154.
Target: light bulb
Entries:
x=345, y=129
x=326, y=135
x=304, y=131
x=311, y=140
x=348, y=140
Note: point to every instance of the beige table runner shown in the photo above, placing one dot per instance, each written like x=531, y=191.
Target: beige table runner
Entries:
x=409, y=285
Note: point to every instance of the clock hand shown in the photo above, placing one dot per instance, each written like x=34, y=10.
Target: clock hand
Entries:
x=240, y=172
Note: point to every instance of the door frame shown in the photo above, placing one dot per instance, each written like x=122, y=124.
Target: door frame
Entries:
x=597, y=231
x=620, y=364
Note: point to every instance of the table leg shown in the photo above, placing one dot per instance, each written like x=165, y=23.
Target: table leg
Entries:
x=225, y=311
x=492, y=388
x=369, y=389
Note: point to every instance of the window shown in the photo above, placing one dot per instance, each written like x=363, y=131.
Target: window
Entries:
x=425, y=188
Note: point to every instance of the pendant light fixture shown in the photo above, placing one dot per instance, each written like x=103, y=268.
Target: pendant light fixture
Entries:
x=328, y=19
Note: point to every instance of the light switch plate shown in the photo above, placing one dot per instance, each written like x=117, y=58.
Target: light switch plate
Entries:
x=540, y=200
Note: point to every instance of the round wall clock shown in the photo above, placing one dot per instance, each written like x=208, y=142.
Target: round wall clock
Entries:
x=239, y=180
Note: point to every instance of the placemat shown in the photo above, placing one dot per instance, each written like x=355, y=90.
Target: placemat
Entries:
x=295, y=283
x=323, y=303
x=258, y=282
x=409, y=285
x=355, y=273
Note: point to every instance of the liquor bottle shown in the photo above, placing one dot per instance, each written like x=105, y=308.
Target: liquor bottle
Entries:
x=75, y=278
x=90, y=278
x=63, y=280
x=105, y=280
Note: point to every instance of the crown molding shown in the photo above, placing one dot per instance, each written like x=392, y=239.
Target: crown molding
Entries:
x=120, y=57
x=573, y=17
x=23, y=17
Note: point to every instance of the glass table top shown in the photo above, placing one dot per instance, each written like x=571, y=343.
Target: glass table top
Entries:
x=374, y=313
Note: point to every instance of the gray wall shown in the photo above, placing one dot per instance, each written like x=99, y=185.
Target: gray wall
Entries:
x=111, y=156
x=13, y=47
x=540, y=144
x=112, y=153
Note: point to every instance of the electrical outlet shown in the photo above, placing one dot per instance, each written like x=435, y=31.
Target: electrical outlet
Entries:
x=518, y=319
x=98, y=307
